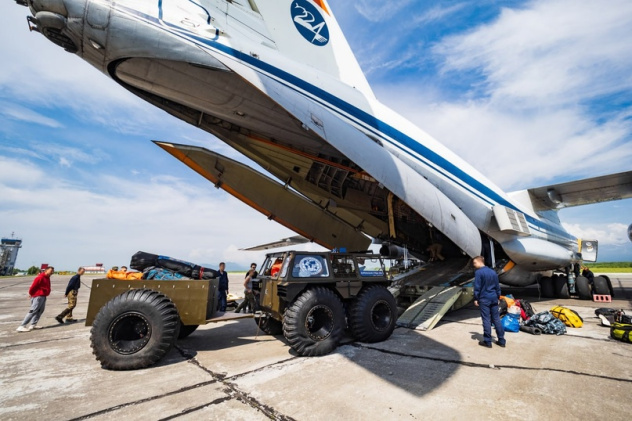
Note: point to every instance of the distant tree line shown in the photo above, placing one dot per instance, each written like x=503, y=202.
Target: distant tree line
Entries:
x=609, y=265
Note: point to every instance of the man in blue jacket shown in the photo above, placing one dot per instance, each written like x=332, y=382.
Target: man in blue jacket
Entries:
x=222, y=288
x=486, y=296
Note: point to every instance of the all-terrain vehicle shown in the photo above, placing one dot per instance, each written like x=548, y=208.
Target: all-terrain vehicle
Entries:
x=310, y=297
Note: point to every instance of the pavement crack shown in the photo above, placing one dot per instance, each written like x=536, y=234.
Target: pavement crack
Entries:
x=140, y=401
x=233, y=392
x=37, y=342
x=196, y=408
x=495, y=366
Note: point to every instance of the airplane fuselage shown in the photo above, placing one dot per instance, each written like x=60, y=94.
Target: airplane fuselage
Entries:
x=219, y=65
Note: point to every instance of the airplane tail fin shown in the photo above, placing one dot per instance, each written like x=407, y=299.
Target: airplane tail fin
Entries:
x=307, y=31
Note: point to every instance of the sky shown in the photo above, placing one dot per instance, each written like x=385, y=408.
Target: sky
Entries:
x=529, y=92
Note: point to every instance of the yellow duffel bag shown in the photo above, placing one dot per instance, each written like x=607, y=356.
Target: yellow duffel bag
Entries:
x=621, y=332
x=568, y=316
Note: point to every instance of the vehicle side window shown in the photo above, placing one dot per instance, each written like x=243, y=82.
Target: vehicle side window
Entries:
x=310, y=266
x=286, y=264
x=343, y=267
x=371, y=267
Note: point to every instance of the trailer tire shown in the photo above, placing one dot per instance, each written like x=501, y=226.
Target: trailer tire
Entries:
x=186, y=330
x=134, y=330
x=546, y=287
x=582, y=285
x=561, y=287
x=269, y=325
x=373, y=314
x=600, y=286
x=315, y=322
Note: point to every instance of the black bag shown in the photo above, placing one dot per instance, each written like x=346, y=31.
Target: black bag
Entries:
x=141, y=261
x=605, y=311
x=528, y=309
x=502, y=307
x=620, y=317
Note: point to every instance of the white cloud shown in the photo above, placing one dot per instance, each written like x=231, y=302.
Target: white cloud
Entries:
x=549, y=53
x=379, y=11
x=606, y=234
x=65, y=224
x=438, y=13
x=18, y=112
x=524, y=123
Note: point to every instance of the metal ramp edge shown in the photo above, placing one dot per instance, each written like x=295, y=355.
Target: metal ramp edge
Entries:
x=428, y=309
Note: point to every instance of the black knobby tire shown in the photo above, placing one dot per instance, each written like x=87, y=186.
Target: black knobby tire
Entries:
x=610, y=288
x=546, y=287
x=134, y=330
x=373, y=314
x=269, y=325
x=186, y=330
x=600, y=286
x=561, y=287
x=315, y=322
x=582, y=286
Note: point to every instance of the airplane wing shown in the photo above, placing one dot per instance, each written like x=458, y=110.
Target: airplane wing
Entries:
x=297, y=239
x=582, y=192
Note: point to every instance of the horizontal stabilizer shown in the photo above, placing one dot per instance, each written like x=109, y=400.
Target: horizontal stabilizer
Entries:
x=582, y=192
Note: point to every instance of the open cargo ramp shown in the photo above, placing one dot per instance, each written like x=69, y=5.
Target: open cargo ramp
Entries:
x=442, y=286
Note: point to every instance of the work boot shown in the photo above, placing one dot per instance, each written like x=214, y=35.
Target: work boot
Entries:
x=60, y=320
x=485, y=344
x=502, y=345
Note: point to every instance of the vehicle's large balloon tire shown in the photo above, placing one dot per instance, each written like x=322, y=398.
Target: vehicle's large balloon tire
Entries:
x=609, y=285
x=268, y=324
x=134, y=330
x=582, y=286
x=315, y=322
x=600, y=286
x=561, y=287
x=373, y=314
x=547, y=289
x=186, y=330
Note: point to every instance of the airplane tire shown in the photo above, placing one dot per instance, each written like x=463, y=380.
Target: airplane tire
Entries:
x=373, y=314
x=582, y=285
x=561, y=287
x=315, y=322
x=546, y=287
x=186, y=330
x=600, y=286
x=134, y=330
x=269, y=325
x=607, y=278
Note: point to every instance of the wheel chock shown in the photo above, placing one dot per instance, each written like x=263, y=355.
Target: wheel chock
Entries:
x=602, y=298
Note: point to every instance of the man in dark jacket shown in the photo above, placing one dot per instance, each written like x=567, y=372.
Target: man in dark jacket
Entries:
x=71, y=293
x=486, y=296
x=39, y=290
x=222, y=288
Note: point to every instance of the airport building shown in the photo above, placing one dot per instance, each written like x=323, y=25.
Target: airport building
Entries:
x=9, y=248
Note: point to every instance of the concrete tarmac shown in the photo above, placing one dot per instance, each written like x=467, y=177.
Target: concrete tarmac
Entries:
x=229, y=372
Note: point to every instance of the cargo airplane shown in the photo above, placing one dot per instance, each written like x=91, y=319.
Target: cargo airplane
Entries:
x=277, y=81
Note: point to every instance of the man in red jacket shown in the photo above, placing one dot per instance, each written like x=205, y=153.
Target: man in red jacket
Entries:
x=39, y=290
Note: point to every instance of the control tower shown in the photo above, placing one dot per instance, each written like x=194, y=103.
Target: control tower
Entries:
x=9, y=248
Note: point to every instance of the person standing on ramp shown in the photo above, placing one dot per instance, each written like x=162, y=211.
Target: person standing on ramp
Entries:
x=486, y=296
